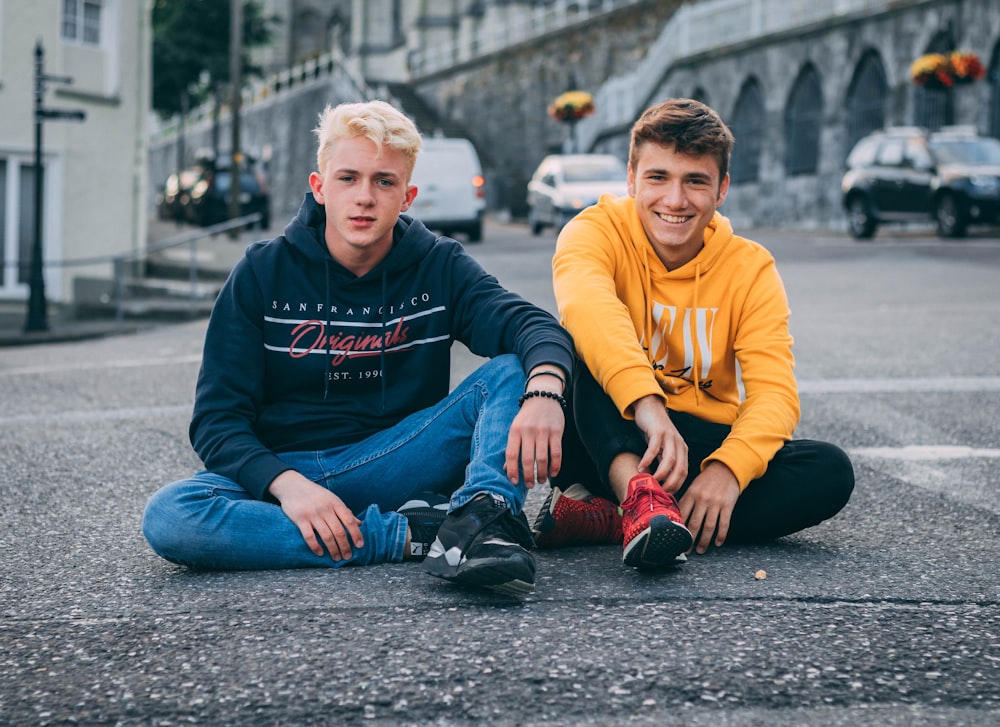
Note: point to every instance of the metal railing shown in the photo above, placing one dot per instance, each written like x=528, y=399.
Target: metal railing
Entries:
x=122, y=261
x=123, y=264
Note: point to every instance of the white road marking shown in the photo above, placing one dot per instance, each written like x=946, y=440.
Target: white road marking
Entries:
x=925, y=452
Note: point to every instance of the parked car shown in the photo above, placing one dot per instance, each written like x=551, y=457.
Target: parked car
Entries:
x=451, y=195
x=564, y=184
x=172, y=202
x=210, y=196
x=903, y=174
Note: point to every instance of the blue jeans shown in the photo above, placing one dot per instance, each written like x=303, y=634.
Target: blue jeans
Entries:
x=456, y=448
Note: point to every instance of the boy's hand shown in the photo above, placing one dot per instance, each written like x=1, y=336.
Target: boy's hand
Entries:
x=707, y=505
x=317, y=512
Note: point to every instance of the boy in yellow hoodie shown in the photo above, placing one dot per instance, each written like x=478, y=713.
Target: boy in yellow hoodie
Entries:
x=671, y=314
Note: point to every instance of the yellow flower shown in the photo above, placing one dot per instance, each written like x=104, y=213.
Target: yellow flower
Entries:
x=571, y=106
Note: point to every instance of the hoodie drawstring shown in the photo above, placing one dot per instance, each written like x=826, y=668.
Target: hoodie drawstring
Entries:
x=381, y=354
x=694, y=360
x=329, y=346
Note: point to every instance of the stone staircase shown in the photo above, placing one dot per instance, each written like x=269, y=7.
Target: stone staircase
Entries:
x=174, y=283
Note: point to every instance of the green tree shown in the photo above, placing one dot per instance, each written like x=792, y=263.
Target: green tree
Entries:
x=191, y=47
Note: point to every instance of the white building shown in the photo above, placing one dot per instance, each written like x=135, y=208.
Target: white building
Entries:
x=94, y=197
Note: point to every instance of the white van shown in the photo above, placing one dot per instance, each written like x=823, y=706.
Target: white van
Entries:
x=450, y=195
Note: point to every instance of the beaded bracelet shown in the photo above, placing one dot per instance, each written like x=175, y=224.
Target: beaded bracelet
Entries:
x=546, y=394
x=545, y=373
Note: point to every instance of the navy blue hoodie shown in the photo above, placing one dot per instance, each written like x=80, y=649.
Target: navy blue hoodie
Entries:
x=303, y=355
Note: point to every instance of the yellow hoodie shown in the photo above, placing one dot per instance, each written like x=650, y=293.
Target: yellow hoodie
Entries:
x=681, y=334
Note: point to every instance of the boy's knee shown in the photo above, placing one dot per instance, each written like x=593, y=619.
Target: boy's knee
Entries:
x=839, y=473
x=163, y=525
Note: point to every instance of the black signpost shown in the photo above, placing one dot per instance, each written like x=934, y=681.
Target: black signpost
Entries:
x=37, y=311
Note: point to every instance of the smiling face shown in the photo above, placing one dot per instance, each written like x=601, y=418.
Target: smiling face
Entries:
x=676, y=196
x=363, y=191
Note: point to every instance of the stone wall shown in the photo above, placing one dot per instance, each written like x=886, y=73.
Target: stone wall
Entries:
x=501, y=100
x=899, y=36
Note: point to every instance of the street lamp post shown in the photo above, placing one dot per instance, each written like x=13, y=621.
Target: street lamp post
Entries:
x=37, y=319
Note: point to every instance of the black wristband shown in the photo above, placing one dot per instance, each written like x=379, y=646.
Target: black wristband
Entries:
x=546, y=394
x=547, y=372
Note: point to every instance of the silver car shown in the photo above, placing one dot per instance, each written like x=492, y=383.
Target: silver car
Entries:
x=564, y=184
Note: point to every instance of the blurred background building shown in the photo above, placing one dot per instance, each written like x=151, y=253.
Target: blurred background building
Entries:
x=95, y=171
x=799, y=82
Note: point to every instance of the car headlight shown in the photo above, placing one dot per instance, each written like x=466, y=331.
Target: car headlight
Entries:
x=985, y=183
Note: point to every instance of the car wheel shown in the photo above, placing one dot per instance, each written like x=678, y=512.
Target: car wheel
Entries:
x=534, y=223
x=860, y=221
x=475, y=232
x=949, y=216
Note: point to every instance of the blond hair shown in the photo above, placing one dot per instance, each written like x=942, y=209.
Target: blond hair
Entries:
x=384, y=124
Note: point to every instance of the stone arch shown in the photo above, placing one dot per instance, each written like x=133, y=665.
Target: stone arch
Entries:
x=935, y=107
x=700, y=94
x=866, y=99
x=993, y=78
x=804, y=122
x=748, y=129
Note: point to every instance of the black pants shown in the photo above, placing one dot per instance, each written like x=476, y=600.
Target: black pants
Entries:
x=805, y=483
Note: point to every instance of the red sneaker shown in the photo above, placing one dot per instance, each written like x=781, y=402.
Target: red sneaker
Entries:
x=655, y=534
x=575, y=517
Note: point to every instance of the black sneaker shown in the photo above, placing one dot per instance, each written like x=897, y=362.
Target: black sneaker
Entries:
x=484, y=544
x=424, y=514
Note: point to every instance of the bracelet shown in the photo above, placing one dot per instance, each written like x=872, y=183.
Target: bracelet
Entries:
x=545, y=373
x=546, y=394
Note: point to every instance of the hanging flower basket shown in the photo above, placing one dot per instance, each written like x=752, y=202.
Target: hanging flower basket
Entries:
x=945, y=70
x=572, y=106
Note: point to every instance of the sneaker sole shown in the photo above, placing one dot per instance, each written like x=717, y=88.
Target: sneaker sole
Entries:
x=659, y=545
x=511, y=576
x=544, y=522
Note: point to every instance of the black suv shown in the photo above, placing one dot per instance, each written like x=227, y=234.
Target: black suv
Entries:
x=908, y=174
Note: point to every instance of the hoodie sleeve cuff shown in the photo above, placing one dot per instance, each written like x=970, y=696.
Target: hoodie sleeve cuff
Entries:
x=258, y=473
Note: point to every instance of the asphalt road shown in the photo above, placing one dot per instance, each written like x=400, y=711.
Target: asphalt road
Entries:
x=886, y=615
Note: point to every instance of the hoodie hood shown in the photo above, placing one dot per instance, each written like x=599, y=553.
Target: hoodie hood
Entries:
x=306, y=234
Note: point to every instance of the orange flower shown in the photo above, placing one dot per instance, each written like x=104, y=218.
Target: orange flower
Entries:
x=944, y=70
x=966, y=66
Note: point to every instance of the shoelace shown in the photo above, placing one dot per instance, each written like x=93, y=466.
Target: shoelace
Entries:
x=652, y=494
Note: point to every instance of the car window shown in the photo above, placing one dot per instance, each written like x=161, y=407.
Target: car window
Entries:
x=967, y=151
x=917, y=155
x=863, y=154
x=593, y=171
x=890, y=154
x=223, y=182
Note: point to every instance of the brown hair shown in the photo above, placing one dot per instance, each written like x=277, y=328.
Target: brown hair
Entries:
x=689, y=126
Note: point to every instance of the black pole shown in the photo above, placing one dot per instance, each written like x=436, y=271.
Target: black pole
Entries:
x=235, y=83
x=37, y=312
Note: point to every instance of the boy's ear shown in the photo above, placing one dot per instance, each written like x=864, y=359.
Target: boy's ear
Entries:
x=316, y=185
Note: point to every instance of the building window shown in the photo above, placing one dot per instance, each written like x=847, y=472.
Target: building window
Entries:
x=803, y=121
x=81, y=21
x=866, y=97
x=748, y=129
